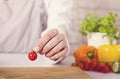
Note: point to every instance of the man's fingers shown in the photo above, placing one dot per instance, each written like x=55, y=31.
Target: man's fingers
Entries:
x=42, y=41
x=56, y=49
x=51, y=33
x=59, y=54
x=53, y=43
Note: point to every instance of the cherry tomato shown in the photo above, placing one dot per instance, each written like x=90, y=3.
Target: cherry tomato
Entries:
x=98, y=67
x=32, y=56
x=105, y=69
x=92, y=65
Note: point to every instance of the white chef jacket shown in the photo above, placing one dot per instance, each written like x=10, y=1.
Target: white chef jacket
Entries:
x=23, y=21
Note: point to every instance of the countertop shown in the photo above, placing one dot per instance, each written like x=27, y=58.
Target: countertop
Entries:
x=21, y=60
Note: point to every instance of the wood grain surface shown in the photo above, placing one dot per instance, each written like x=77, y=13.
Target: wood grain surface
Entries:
x=43, y=73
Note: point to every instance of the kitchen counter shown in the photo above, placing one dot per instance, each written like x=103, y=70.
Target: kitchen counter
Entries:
x=21, y=60
x=93, y=74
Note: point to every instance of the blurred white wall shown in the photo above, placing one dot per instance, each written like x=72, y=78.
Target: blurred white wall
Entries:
x=81, y=7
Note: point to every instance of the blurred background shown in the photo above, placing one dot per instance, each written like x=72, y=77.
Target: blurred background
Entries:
x=80, y=8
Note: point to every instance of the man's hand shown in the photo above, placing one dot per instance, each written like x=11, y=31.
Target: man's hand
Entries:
x=52, y=44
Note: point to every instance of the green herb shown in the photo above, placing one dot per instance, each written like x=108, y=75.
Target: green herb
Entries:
x=106, y=24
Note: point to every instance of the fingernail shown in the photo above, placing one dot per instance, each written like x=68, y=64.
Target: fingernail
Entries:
x=36, y=49
x=52, y=58
x=47, y=55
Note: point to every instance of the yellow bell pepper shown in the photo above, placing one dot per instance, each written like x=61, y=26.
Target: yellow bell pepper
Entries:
x=109, y=53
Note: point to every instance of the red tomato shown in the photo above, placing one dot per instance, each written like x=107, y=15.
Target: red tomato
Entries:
x=87, y=68
x=105, y=69
x=92, y=65
x=98, y=67
x=110, y=66
x=32, y=56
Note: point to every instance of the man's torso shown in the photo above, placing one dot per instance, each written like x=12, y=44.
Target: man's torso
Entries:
x=21, y=23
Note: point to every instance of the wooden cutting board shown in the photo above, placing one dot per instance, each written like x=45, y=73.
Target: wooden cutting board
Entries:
x=43, y=73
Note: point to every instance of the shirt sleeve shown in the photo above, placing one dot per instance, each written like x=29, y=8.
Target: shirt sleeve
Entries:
x=59, y=17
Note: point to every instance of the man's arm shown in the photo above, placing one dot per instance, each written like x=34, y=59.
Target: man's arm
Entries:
x=59, y=13
x=59, y=17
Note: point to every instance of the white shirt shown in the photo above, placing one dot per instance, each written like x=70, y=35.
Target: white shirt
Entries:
x=23, y=21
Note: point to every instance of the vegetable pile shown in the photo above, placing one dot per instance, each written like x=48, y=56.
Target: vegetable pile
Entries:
x=104, y=59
